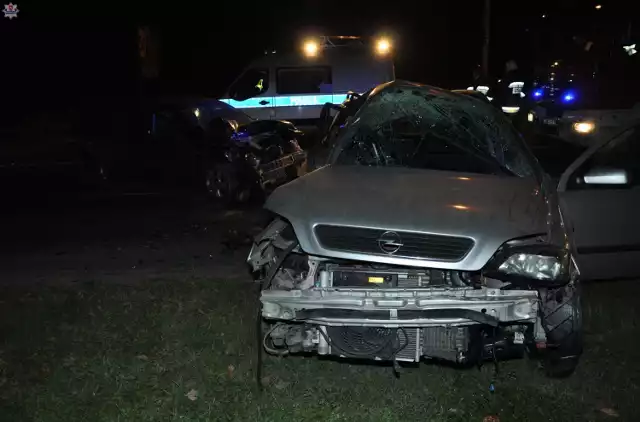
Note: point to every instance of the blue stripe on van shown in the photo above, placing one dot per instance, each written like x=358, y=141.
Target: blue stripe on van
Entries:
x=249, y=103
x=288, y=101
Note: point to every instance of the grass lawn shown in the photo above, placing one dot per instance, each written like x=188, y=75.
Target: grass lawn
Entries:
x=183, y=350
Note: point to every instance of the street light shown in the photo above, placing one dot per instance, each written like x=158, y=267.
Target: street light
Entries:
x=598, y=6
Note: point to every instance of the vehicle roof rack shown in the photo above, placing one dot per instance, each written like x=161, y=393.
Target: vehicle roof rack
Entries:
x=329, y=41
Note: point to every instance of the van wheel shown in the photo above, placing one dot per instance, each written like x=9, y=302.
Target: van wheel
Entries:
x=325, y=119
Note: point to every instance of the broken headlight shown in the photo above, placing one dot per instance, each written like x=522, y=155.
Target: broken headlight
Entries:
x=539, y=267
x=530, y=261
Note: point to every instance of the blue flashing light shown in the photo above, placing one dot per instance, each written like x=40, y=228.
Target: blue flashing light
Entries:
x=537, y=93
x=568, y=97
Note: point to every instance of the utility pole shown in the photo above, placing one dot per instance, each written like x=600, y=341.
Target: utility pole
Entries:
x=487, y=33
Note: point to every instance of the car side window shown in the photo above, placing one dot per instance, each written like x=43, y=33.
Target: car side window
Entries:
x=616, y=163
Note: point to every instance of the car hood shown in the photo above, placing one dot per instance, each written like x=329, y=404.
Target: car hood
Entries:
x=486, y=208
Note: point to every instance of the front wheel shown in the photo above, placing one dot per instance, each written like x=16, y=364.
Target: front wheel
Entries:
x=220, y=183
x=224, y=185
x=561, y=319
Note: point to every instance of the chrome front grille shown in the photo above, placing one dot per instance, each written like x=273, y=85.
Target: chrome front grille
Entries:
x=393, y=243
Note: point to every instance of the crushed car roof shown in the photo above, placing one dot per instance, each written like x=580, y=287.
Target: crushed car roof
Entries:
x=463, y=121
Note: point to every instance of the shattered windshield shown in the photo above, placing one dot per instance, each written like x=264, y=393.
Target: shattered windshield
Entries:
x=416, y=126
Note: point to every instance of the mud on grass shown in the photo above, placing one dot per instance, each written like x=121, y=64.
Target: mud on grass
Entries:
x=183, y=350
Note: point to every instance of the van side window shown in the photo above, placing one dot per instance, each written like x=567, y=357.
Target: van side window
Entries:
x=253, y=82
x=304, y=80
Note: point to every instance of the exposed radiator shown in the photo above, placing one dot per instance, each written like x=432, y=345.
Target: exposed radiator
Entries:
x=449, y=343
x=375, y=342
x=411, y=352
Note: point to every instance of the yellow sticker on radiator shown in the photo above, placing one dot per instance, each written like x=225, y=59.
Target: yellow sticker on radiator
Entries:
x=376, y=279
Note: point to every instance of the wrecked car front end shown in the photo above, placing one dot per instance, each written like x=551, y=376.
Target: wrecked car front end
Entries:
x=431, y=234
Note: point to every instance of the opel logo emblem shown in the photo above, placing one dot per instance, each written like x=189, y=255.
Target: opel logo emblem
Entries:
x=390, y=242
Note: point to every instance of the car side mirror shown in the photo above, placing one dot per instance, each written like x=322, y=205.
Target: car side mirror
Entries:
x=606, y=176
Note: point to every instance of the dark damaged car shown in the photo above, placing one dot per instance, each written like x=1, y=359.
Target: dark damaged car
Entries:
x=205, y=145
x=432, y=233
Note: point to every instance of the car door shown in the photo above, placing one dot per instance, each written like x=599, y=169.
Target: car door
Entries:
x=600, y=200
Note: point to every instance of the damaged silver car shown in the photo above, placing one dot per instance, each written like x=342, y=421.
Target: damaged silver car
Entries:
x=432, y=233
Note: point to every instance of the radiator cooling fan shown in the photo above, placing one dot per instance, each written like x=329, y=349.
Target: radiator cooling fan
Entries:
x=364, y=342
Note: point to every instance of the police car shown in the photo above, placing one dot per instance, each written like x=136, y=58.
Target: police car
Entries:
x=295, y=86
x=585, y=103
x=586, y=115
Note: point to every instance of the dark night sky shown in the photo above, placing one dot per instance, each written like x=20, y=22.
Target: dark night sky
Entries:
x=61, y=51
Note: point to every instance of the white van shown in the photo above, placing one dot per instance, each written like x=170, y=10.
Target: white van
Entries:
x=295, y=86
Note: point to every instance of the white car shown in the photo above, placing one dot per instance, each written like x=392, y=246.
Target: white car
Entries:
x=600, y=194
x=590, y=127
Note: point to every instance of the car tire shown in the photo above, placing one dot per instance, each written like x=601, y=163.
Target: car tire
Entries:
x=223, y=186
x=220, y=183
x=561, y=318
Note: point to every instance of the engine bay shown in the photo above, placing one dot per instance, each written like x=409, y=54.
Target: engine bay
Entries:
x=462, y=345
x=383, y=312
x=377, y=311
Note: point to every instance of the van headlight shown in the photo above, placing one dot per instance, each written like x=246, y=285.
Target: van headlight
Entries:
x=539, y=267
x=584, y=128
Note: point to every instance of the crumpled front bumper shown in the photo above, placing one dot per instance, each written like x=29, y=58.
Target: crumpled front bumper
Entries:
x=422, y=307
